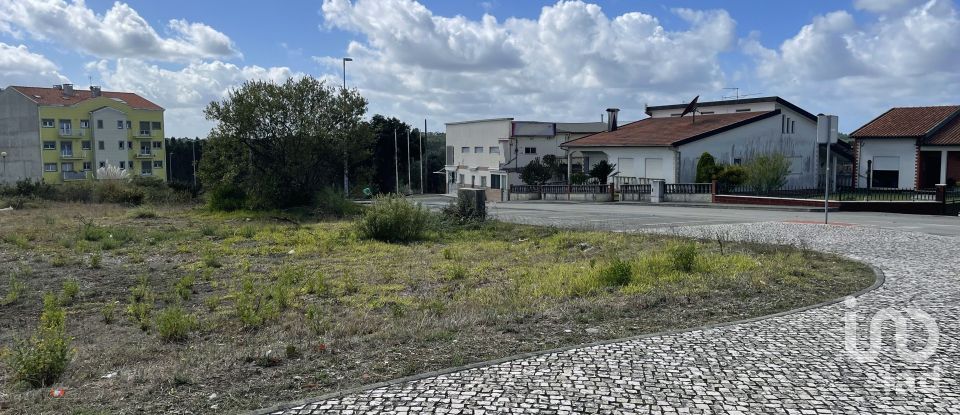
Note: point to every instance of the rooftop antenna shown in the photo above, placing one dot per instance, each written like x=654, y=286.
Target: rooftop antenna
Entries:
x=736, y=94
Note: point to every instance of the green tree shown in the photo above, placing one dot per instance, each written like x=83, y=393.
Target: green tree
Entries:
x=767, y=172
x=281, y=143
x=602, y=170
x=535, y=172
x=557, y=167
x=706, y=168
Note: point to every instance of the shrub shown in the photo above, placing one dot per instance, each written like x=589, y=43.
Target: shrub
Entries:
x=227, y=198
x=683, y=255
x=95, y=260
x=465, y=209
x=731, y=175
x=41, y=360
x=141, y=304
x=71, y=289
x=142, y=213
x=615, y=274
x=706, y=168
x=250, y=305
x=14, y=291
x=535, y=173
x=579, y=178
x=118, y=191
x=330, y=202
x=184, y=286
x=602, y=170
x=109, y=312
x=210, y=260
x=767, y=172
x=174, y=324
x=394, y=219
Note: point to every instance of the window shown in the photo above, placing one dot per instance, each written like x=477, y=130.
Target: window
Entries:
x=886, y=171
x=529, y=150
x=123, y=165
x=158, y=144
x=66, y=167
x=129, y=125
x=144, y=127
x=783, y=124
x=158, y=164
x=464, y=150
x=103, y=164
x=66, y=148
x=478, y=150
x=100, y=124
x=66, y=127
x=473, y=180
x=86, y=145
x=47, y=123
x=84, y=123
x=743, y=110
x=100, y=145
x=461, y=179
x=49, y=145
x=155, y=125
x=494, y=150
x=146, y=168
x=121, y=143
x=675, y=115
x=87, y=165
x=119, y=125
x=130, y=145
x=145, y=148
x=49, y=166
x=793, y=127
x=130, y=164
x=483, y=181
x=495, y=181
x=706, y=112
x=737, y=161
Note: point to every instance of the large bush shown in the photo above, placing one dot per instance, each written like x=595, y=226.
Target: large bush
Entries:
x=394, y=219
x=730, y=175
x=767, y=172
x=706, y=168
x=330, y=202
x=602, y=170
x=227, y=197
x=535, y=173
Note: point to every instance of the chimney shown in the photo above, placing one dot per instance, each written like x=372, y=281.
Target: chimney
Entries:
x=68, y=90
x=612, y=119
x=94, y=91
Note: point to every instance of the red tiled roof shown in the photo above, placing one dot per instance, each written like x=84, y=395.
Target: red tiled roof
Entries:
x=906, y=122
x=668, y=131
x=948, y=135
x=54, y=96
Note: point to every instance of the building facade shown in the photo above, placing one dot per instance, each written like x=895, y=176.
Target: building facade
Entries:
x=908, y=148
x=60, y=134
x=666, y=146
x=490, y=153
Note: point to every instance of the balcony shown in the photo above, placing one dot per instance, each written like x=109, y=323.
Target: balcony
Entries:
x=146, y=173
x=143, y=134
x=74, y=175
x=70, y=155
x=144, y=156
x=70, y=133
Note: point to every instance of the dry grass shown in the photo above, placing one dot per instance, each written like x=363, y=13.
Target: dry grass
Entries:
x=265, y=310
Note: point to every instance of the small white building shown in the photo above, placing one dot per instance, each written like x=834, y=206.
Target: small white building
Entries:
x=666, y=146
x=909, y=147
x=489, y=153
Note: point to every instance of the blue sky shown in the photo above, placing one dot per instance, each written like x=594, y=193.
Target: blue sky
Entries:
x=449, y=60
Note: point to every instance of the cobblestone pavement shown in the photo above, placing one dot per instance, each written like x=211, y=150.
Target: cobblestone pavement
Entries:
x=794, y=363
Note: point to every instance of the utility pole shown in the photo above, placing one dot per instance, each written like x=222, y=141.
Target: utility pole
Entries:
x=193, y=160
x=396, y=161
x=421, y=156
x=409, y=159
x=826, y=125
x=346, y=164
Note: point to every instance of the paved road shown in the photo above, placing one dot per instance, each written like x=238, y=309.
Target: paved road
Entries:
x=796, y=363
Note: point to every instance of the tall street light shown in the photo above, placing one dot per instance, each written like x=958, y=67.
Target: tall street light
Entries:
x=346, y=165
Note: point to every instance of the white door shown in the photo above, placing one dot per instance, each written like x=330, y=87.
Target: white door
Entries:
x=625, y=167
x=653, y=168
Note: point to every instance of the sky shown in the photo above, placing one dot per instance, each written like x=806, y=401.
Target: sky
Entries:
x=449, y=61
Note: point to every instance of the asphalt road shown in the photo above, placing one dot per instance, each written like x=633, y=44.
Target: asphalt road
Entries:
x=617, y=216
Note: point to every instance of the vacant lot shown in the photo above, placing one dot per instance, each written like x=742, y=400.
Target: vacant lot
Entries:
x=278, y=310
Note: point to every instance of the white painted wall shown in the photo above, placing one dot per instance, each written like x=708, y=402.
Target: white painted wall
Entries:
x=904, y=148
x=760, y=137
x=721, y=109
x=111, y=137
x=474, y=165
x=640, y=157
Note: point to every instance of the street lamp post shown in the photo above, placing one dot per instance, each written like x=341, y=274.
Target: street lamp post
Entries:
x=346, y=164
x=3, y=158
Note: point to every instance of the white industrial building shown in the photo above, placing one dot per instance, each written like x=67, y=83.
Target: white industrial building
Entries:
x=489, y=153
x=667, y=146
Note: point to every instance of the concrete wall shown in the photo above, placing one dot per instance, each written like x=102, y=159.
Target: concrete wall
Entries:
x=19, y=138
x=580, y=197
x=524, y=196
x=760, y=137
x=471, y=164
x=719, y=109
x=903, y=148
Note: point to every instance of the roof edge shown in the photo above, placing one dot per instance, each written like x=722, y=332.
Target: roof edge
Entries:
x=728, y=127
x=943, y=123
x=774, y=98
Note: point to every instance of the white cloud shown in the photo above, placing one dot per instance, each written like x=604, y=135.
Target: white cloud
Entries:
x=860, y=70
x=183, y=92
x=884, y=6
x=568, y=64
x=120, y=32
x=19, y=66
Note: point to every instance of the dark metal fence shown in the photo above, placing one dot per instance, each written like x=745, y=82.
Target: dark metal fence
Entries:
x=840, y=193
x=688, y=188
x=640, y=189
